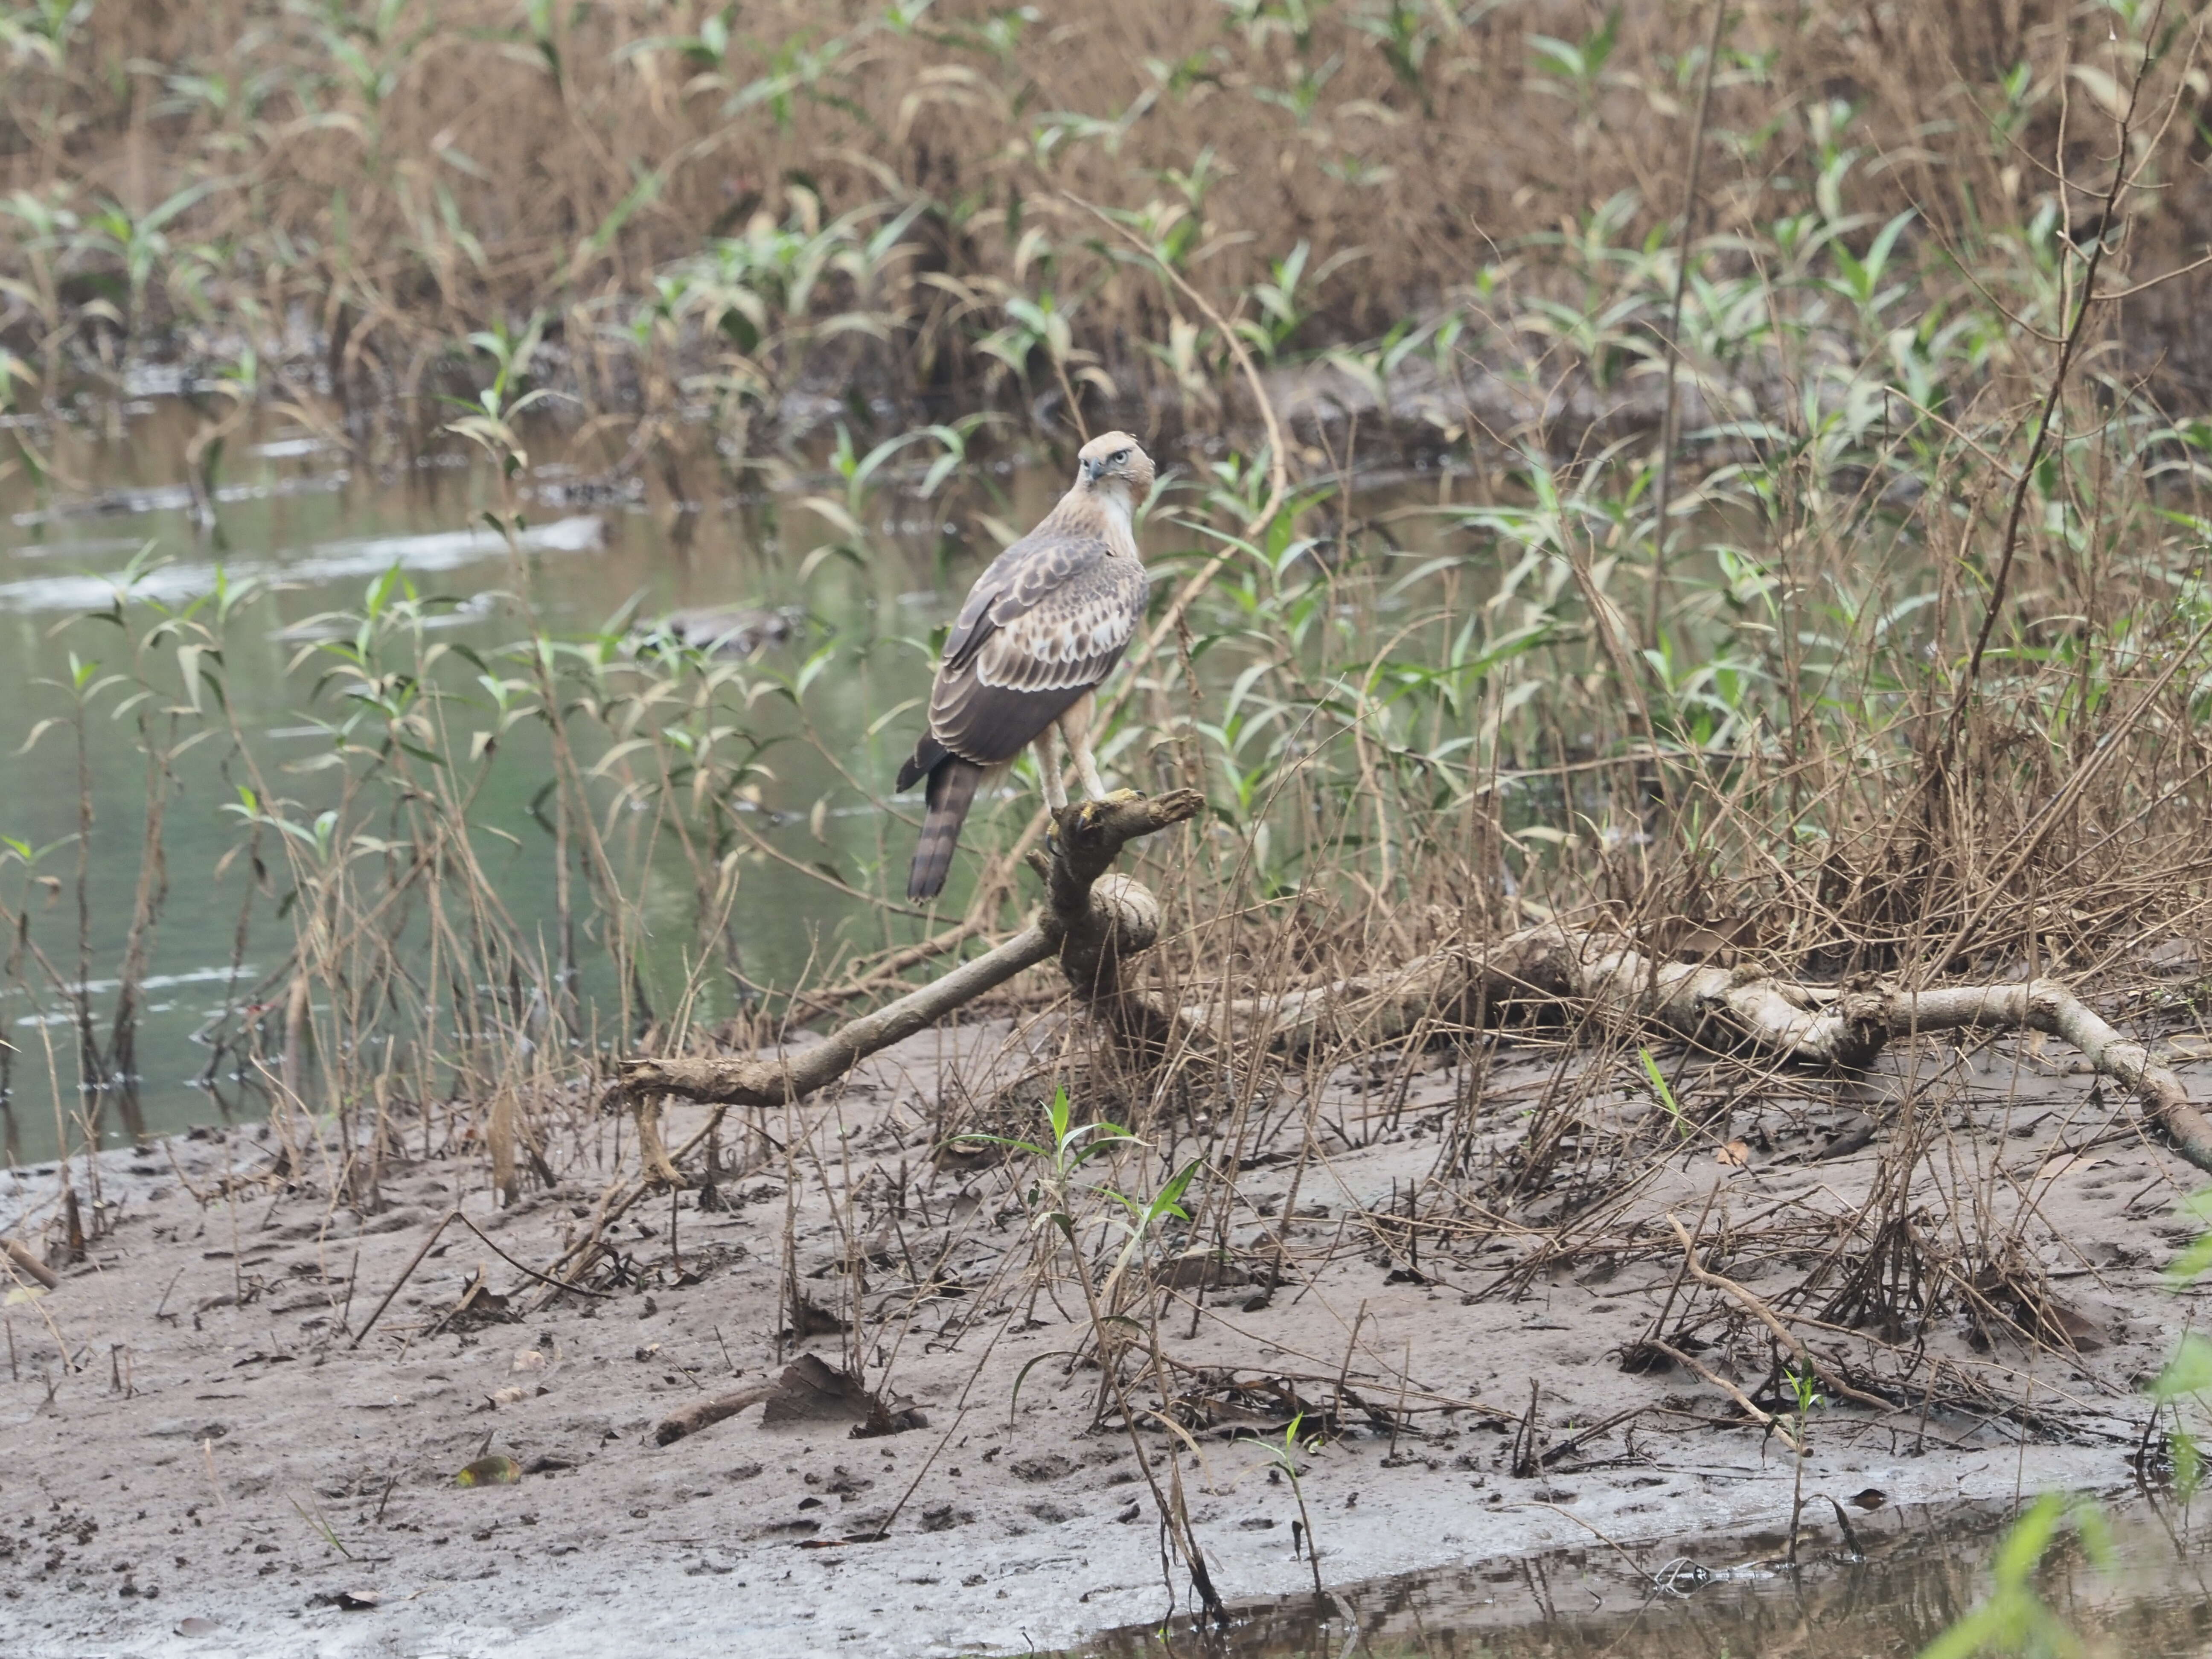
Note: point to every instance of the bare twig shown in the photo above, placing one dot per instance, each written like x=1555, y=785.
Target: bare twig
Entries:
x=1766, y=1420
x=406, y=1273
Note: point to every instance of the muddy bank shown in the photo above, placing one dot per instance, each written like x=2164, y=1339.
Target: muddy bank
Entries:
x=215, y=1447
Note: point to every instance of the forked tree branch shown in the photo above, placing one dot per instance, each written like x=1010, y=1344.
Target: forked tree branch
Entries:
x=1090, y=921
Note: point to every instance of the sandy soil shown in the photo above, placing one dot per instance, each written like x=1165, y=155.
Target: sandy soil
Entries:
x=217, y=1468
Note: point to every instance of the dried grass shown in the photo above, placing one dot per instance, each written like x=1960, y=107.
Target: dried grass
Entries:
x=355, y=189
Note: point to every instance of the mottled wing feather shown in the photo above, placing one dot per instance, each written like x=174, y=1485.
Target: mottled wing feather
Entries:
x=1043, y=624
x=1015, y=581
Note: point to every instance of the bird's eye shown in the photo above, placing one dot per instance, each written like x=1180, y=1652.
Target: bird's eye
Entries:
x=1120, y=456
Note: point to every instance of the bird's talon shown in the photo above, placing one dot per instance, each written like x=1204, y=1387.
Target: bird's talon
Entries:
x=1092, y=809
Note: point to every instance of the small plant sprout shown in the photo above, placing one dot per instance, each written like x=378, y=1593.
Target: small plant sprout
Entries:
x=1073, y=1146
x=1659, y=1087
x=1804, y=1391
x=1146, y=1218
x=1282, y=1456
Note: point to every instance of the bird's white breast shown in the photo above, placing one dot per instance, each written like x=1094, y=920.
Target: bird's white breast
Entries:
x=1120, y=534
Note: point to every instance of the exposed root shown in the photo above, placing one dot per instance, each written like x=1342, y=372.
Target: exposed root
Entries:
x=1841, y=1026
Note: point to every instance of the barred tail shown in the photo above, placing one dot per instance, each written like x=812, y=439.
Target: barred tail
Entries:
x=952, y=784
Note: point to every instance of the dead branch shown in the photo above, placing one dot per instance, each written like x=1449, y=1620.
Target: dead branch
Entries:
x=1766, y=1420
x=1759, y=1310
x=1827, y=1025
x=1090, y=922
x=1801, y=1356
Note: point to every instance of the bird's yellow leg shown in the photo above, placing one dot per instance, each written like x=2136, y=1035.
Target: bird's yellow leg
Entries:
x=1047, y=758
x=1075, y=726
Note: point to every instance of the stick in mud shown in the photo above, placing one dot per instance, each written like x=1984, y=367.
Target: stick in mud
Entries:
x=705, y=1413
x=406, y=1273
x=21, y=1256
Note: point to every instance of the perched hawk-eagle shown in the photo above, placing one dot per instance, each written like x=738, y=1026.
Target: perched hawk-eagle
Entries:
x=1041, y=627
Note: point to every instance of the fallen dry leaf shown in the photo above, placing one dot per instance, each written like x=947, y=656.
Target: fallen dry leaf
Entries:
x=1737, y=1155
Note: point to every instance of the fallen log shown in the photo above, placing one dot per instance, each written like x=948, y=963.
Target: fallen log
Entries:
x=1841, y=1026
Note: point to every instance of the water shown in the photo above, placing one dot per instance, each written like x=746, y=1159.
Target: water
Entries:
x=318, y=524
x=2150, y=1600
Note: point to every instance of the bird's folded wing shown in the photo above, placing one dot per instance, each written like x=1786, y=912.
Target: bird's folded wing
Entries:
x=1037, y=632
x=1030, y=570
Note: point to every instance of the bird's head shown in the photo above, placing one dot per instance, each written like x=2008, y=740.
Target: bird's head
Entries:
x=1112, y=465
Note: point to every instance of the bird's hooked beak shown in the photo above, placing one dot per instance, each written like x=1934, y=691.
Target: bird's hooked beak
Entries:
x=1093, y=470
